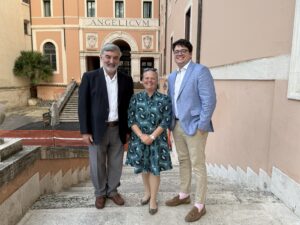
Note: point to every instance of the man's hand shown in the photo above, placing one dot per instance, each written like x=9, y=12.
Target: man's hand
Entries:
x=127, y=138
x=87, y=139
x=201, y=131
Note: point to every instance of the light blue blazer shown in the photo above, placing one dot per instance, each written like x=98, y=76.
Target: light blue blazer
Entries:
x=196, y=100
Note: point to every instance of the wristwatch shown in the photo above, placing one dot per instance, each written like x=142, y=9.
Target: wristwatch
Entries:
x=152, y=137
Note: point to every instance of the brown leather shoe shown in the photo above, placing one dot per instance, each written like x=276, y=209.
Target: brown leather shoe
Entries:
x=194, y=214
x=100, y=202
x=117, y=199
x=176, y=201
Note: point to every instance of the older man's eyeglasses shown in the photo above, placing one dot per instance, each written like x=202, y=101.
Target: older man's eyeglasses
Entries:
x=150, y=69
x=181, y=52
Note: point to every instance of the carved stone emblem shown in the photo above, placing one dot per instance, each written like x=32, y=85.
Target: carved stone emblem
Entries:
x=91, y=41
x=147, y=41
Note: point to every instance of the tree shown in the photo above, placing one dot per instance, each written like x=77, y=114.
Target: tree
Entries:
x=34, y=66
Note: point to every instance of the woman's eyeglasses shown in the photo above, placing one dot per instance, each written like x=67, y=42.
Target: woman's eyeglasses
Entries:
x=150, y=69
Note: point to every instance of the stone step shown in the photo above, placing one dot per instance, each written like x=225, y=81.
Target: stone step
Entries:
x=69, y=120
x=71, y=106
x=227, y=204
x=68, y=114
x=9, y=148
x=219, y=192
x=68, y=110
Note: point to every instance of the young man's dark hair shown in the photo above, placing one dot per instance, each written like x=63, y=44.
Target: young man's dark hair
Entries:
x=183, y=42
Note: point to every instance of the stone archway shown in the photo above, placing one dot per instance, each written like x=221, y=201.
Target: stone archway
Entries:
x=125, y=61
x=120, y=35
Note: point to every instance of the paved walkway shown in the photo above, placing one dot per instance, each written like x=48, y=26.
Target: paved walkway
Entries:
x=27, y=123
x=16, y=118
x=227, y=204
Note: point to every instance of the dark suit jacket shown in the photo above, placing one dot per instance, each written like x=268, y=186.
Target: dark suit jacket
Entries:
x=93, y=106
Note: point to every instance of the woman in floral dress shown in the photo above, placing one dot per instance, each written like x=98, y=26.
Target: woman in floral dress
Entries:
x=149, y=116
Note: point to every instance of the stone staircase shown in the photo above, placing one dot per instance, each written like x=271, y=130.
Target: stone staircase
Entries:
x=69, y=112
x=227, y=204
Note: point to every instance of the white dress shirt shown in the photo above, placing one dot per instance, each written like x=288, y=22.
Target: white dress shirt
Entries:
x=112, y=92
x=179, y=78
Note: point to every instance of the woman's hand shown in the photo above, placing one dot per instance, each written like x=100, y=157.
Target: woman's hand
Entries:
x=146, y=139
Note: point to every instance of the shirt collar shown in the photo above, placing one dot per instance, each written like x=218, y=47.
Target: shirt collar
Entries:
x=146, y=95
x=107, y=76
x=185, y=67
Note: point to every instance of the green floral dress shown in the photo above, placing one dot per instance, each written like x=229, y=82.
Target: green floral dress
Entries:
x=148, y=113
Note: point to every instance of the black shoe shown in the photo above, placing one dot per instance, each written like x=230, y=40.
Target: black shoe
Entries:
x=153, y=211
x=145, y=202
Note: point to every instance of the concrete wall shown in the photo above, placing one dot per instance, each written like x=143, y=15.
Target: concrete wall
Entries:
x=242, y=122
x=256, y=126
x=36, y=172
x=284, y=151
x=12, y=41
x=233, y=31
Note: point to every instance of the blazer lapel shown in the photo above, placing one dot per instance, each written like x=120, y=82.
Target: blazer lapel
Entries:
x=102, y=83
x=120, y=86
x=172, y=82
x=186, y=77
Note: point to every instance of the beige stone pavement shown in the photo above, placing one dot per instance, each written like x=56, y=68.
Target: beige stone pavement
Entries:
x=227, y=204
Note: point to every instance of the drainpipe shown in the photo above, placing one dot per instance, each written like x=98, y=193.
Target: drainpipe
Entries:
x=64, y=22
x=30, y=25
x=166, y=25
x=199, y=22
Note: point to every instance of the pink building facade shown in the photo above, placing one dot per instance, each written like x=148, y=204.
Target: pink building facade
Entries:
x=71, y=33
x=252, y=49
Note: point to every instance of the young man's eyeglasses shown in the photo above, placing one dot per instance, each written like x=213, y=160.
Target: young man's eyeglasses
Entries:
x=181, y=52
x=150, y=69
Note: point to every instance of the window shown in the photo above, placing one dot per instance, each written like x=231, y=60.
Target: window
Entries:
x=90, y=8
x=47, y=8
x=50, y=53
x=187, y=24
x=26, y=27
x=146, y=63
x=147, y=9
x=119, y=9
x=294, y=75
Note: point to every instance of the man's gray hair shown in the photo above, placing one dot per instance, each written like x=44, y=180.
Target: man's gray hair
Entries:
x=110, y=47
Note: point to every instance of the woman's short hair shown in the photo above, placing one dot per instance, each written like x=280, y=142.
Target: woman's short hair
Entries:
x=154, y=70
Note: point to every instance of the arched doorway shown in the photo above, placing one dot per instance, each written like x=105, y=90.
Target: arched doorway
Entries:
x=125, y=61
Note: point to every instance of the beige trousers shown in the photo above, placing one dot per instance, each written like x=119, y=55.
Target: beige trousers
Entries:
x=191, y=155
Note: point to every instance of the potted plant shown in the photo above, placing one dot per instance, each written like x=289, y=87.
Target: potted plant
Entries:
x=35, y=67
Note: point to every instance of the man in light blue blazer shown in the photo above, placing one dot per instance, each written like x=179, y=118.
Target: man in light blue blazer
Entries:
x=191, y=88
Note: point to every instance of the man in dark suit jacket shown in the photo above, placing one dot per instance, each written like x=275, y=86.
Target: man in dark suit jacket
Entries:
x=104, y=96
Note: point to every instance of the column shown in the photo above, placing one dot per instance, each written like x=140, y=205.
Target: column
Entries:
x=135, y=67
x=82, y=64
